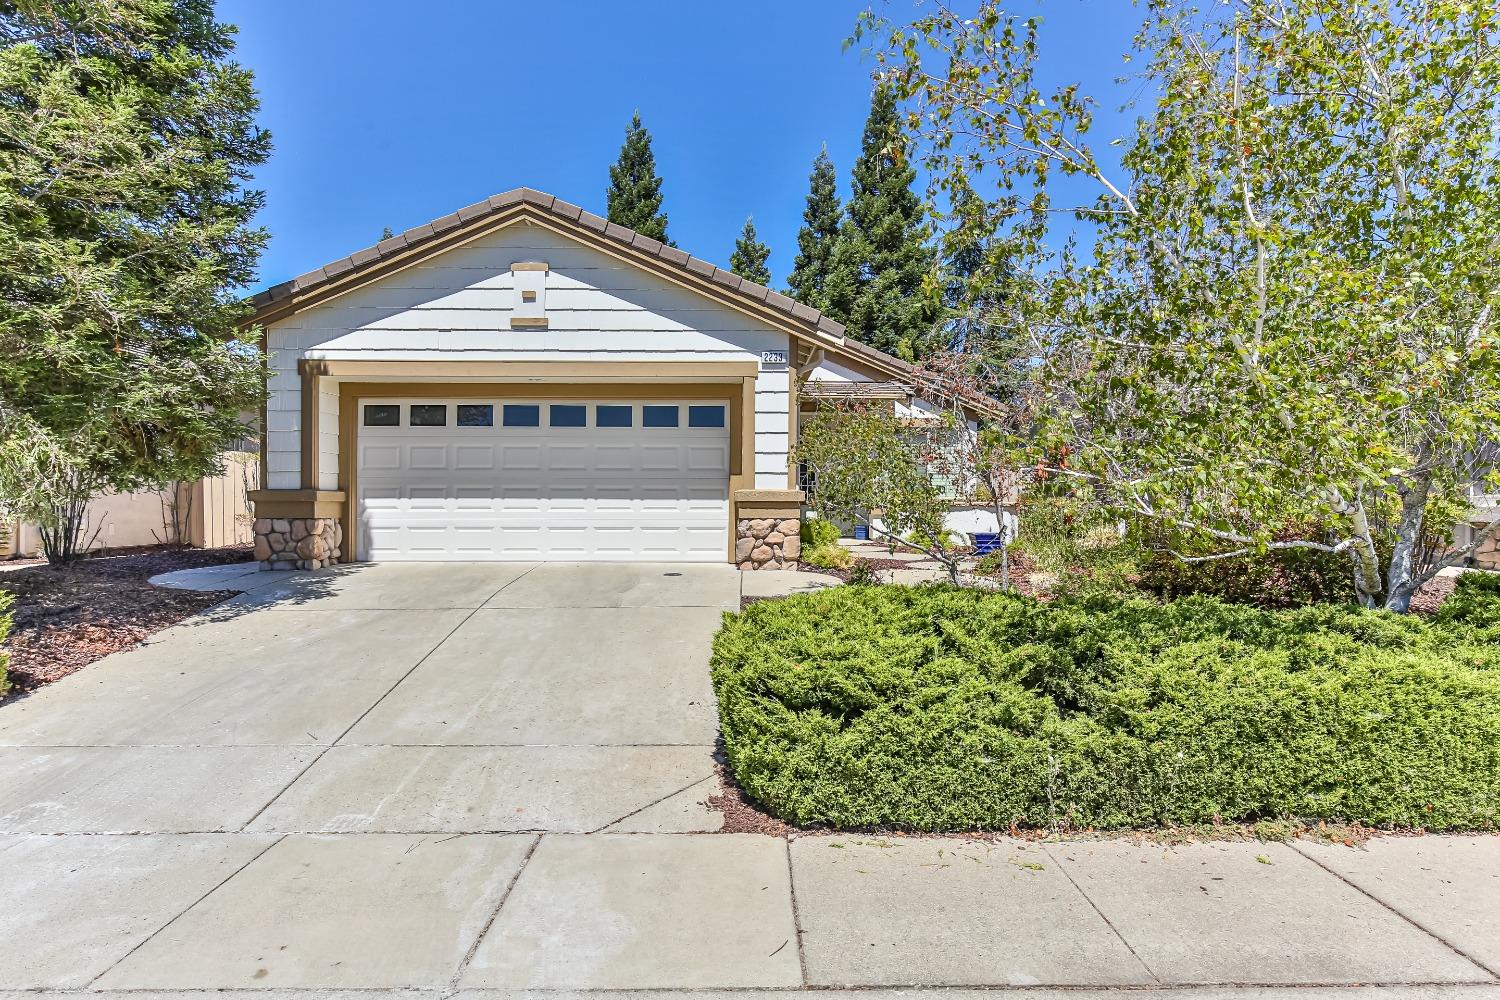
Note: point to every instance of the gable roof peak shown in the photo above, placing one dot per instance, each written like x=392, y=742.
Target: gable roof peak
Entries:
x=434, y=237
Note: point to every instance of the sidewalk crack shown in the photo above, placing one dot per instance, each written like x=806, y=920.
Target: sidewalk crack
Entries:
x=1297, y=850
x=1102, y=916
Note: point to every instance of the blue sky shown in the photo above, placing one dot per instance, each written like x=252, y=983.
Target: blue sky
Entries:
x=391, y=114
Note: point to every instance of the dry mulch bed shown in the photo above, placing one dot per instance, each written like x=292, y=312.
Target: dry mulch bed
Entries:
x=67, y=617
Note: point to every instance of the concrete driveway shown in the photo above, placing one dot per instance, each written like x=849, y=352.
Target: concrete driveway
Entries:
x=465, y=778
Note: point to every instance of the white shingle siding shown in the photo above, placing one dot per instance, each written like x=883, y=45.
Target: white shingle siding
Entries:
x=457, y=306
x=328, y=436
x=771, y=428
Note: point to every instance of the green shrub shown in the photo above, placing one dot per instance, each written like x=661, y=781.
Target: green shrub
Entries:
x=939, y=708
x=830, y=556
x=943, y=539
x=1281, y=578
x=5, y=620
x=817, y=532
x=1475, y=601
x=1072, y=539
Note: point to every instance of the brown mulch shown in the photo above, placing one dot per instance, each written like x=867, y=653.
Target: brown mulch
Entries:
x=1433, y=593
x=741, y=815
x=66, y=617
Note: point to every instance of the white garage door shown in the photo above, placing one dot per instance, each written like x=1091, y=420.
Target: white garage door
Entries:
x=564, y=480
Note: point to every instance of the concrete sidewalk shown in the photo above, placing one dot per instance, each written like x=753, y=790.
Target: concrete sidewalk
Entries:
x=491, y=780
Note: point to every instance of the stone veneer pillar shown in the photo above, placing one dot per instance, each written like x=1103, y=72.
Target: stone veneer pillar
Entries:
x=767, y=543
x=298, y=542
x=768, y=529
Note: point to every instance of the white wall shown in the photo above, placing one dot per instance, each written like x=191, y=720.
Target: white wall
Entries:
x=457, y=306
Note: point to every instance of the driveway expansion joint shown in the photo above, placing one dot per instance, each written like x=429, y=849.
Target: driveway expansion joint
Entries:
x=184, y=911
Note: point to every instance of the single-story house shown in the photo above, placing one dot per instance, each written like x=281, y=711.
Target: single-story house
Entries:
x=523, y=380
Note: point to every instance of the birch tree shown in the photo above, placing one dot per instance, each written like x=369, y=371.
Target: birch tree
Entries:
x=1287, y=318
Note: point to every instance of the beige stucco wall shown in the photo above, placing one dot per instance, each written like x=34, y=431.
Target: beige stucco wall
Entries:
x=218, y=514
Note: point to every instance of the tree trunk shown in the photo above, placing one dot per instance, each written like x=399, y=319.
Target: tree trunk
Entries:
x=1401, y=574
x=1367, y=582
x=1004, y=536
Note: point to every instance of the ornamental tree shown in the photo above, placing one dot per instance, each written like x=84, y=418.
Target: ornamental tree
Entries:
x=1287, y=320
x=127, y=138
x=867, y=467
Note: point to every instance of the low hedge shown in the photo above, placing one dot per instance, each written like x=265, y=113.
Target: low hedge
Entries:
x=938, y=708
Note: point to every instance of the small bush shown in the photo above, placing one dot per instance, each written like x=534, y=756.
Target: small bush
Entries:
x=940, y=708
x=5, y=622
x=943, y=540
x=1282, y=578
x=1475, y=601
x=862, y=574
x=830, y=556
x=817, y=532
x=1074, y=543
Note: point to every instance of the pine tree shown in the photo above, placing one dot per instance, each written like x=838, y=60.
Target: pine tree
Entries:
x=820, y=231
x=634, y=193
x=750, y=255
x=877, y=282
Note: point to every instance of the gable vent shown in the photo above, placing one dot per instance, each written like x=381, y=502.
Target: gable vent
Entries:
x=529, y=310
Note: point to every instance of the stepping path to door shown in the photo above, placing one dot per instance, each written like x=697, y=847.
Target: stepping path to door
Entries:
x=471, y=778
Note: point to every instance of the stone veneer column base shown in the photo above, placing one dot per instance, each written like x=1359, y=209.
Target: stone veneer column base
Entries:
x=767, y=542
x=298, y=542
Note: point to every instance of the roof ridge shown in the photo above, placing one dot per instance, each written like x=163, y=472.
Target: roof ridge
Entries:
x=505, y=201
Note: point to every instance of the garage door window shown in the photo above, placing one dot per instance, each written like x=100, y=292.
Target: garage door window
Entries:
x=476, y=415
x=383, y=415
x=522, y=415
x=429, y=415
x=565, y=415
x=658, y=416
x=614, y=416
x=705, y=416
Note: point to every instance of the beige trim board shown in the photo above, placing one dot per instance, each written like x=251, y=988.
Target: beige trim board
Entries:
x=528, y=322
x=771, y=496
x=297, y=503
x=408, y=372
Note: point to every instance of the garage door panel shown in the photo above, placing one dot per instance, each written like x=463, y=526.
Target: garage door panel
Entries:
x=376, y=458
x=540, y=493
x=427, y=457
x=473, y=457
x=520, y=458
x=706, y=458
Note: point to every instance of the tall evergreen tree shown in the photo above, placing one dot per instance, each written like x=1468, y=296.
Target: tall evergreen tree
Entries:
x=883, y=257
x=820, y=231
x=750, y=256
x=126, y=237
x=634, y=193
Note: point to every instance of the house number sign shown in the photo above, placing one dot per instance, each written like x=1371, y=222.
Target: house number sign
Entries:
x=773, y=357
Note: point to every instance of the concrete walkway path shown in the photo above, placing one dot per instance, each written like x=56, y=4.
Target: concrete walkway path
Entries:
x=482, y=780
